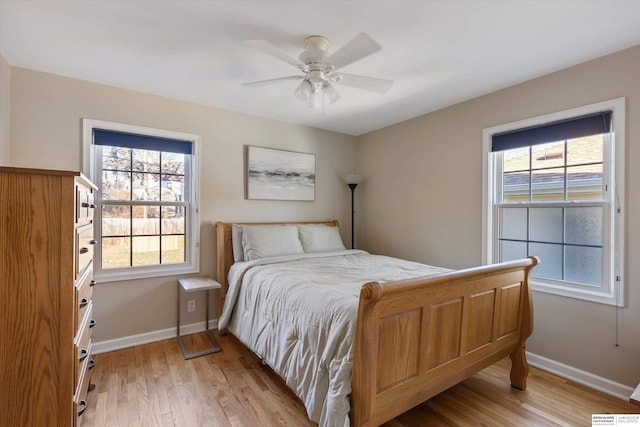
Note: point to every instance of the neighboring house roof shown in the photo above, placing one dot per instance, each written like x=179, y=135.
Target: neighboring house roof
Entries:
x=580, y=151
x=548, y=166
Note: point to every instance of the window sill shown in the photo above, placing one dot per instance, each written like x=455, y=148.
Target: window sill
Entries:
x=608, y=298
x=143, y=273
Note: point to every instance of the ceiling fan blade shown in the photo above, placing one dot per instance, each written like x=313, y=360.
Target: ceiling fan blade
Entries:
x=372, y=84
x=270, y=49
x=271, y=81
x=359, y=47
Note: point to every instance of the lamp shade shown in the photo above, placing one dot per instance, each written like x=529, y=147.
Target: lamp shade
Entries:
x=303, y=91
x=352, y=179
x=315, y=99
x=331, y=94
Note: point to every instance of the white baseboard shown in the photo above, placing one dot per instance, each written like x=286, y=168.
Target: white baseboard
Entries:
x=148, y=337
x=588, y=379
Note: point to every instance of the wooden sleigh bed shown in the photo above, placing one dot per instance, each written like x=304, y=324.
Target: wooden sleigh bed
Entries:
x=418, y=337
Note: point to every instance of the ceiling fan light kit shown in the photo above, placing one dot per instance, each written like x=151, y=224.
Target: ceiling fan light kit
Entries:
x=319, y=68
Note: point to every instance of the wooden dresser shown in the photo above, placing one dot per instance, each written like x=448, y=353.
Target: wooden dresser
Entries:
x=46, y=279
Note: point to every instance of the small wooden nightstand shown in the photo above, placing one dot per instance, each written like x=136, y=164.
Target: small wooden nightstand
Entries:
x=195, y=284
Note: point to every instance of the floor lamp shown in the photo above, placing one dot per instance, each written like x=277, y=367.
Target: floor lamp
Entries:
x=352, y=180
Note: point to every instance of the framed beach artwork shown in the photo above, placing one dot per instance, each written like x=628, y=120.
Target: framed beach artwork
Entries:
x=280, y=175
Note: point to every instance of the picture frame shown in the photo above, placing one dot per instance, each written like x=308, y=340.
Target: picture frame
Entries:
x=273, y=174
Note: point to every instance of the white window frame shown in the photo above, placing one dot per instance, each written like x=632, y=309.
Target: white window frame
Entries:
x=612, y=291
x=192, y=235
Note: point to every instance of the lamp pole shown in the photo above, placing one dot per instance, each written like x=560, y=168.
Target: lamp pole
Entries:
x=352, y=180
x=353, y=212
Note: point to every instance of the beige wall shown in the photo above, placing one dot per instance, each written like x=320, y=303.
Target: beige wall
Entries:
x=422, y=200
x=46, y=116
x=5, y=99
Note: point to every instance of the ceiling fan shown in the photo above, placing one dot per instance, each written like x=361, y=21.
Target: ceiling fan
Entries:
x=320, y=69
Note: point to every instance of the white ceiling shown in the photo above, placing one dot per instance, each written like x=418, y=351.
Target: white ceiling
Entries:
x=437, y=52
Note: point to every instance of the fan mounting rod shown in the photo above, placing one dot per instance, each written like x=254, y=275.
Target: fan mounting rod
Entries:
x=314, y=55
x=316, y=42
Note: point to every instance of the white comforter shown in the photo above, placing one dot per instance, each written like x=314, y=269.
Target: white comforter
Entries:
x=298, y=313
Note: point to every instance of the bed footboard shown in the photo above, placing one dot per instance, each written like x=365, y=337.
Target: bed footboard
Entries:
x=416, y=338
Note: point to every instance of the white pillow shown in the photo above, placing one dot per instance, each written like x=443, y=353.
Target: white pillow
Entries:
x=262, y=241
x=320, y=238
x=236, y=241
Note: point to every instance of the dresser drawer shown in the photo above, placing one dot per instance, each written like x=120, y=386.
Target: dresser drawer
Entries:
x=85, y=366
x=83, y=341
x=84, y=293
x=84, y=248
x=85, y=204
x=80, y=398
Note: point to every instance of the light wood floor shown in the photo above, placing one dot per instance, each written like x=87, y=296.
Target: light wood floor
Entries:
x=152, y=385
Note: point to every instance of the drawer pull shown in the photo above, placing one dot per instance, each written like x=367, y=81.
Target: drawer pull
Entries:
x=92, y=283
x=85, y=204
x=92, y=323
x=84, y=250
x=83, y=355
x=84, y=302
x=92, y=206
x=91, y=364
x=83, y=404
x=93, y=242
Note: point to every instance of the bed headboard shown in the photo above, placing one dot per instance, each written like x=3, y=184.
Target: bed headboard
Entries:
x=224, y=247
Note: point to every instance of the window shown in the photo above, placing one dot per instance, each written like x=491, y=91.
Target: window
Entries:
x=147, y=218
x=553, y=188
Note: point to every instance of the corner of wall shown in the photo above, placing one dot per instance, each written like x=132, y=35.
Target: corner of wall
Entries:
x=5, y=110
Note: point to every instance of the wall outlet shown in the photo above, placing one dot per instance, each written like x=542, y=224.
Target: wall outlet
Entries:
x=191, y=305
